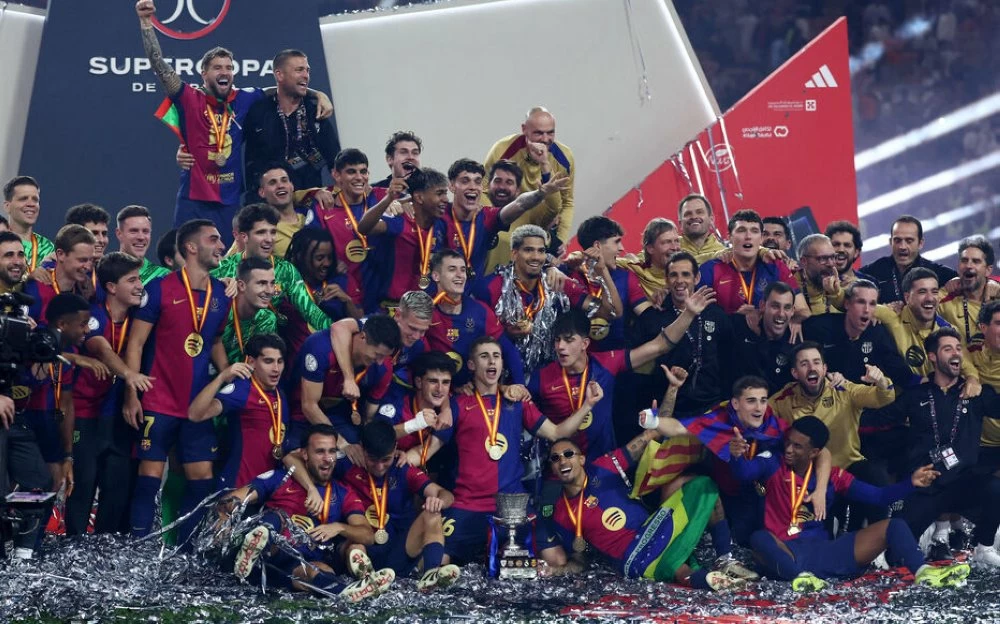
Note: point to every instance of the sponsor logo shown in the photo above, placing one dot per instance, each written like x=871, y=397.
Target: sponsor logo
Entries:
x=828, y=402
x=721, y=158
x=765, y=132
x=187, y=21
x=93, y=324
x=822, y=79
x=227, y=389
x=915, y=357
x=388, y=410
x=311, y=363
x=145, y=299
x=613, y=519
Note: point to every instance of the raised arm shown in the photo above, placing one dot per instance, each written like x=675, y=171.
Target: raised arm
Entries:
x=663, y=421
x=164, y=73
x=526, y=201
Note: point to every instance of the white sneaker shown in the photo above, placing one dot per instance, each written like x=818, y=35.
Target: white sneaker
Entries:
x=438, y=577
x=253, y=544
x=986, y=555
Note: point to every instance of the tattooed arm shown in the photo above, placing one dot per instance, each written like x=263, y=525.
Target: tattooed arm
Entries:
x=165, y=73
x=638, y=444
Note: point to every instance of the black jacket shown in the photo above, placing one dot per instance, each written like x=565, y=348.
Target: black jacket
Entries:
x=265, y=144
x=890, y=280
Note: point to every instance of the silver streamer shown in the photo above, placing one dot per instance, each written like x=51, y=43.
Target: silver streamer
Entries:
x=645, y=95
x=677, y=160
x=107, y=578
x=536, y=348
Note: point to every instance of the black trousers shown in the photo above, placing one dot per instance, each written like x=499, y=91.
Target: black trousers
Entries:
x=974, y=494
x=102, y=460
x=22, y=466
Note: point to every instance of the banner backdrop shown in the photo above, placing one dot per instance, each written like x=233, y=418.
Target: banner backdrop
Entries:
x=786, y=148
x=91, y=134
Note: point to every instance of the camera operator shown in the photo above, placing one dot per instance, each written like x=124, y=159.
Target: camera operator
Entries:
x=21, y=463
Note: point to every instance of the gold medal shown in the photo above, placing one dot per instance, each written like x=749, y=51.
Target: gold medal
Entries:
x=579, y=544
x=220, y=159
x=193, y=344
x=424, y=282
x=356, y=251
x=760, y=488
x=356, y=417
x=495, y=451
x=793, y=529
x=524, y=325
x=381, y=536
x=276, y=451
x=470, y=272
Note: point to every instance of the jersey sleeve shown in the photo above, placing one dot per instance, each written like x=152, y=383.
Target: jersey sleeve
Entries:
x=265, y=484
x=394, y=226
x=531, y=417
x=233, y=397
x=149, y=308
x=315, y=358
x=298, y=295
x=416, y=480
x=617, y=361
x=98, y=322
x=635, y=294
x=785, y=275
x=607, y=461
x=576, y=292
x=352, y=502
x=707, y=273
x=378, y=385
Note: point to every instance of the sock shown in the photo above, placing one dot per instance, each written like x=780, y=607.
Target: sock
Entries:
x=941, y=528
x=722, y=541
x=328, y=581
x=195, y=490
x=432, y=554
x=902, y=546
x=699, y=580
x=143, y=504
x=767, y=551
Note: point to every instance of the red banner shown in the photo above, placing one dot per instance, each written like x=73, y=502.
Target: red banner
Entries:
x=786, y=148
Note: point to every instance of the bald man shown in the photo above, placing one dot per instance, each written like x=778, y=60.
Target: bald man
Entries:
x=540, y=157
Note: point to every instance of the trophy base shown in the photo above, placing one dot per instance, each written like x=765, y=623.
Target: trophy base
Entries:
x=518, y=564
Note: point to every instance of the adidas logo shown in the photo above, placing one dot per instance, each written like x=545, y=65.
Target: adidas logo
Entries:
x=822, y=79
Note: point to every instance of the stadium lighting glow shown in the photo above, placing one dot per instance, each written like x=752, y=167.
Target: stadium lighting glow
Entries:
x=928, y=184
x=956, y=214
x=944, y=251
x=954, y=120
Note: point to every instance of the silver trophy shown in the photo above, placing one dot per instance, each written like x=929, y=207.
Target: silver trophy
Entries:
x=515, y=561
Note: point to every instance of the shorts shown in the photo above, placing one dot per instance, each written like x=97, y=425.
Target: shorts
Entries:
x=745, y=513
x=826, y=558
x=45, y=426
x=672, y=533
x=196, y=442
x=466, y=533
x=392, y=554
x=989, y=459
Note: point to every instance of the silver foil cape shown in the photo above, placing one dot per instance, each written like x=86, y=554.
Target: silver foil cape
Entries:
x=536, y=348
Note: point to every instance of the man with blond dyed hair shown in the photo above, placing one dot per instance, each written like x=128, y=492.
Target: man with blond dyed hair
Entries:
x=541, y=159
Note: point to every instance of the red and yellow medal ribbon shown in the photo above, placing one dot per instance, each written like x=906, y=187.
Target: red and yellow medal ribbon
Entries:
x=751, y=451
x=236, y=325
x=380, y=498
x=747, y=289
x=33, y=264
x=466, y=246
x=443, y=296
x=531, y=310
x=198, y=320
x=425, y=248
x=324, y=513
x=796, y=499
x=273, y=409
x=357, y=380
x=219, y=130
x=117, y=343
x=55, y=284
x=312, y=293
x=577, y=519
x=425, y=440
x=491, y=425
x=56, y=382
x=350, y=216
x=569, y=387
